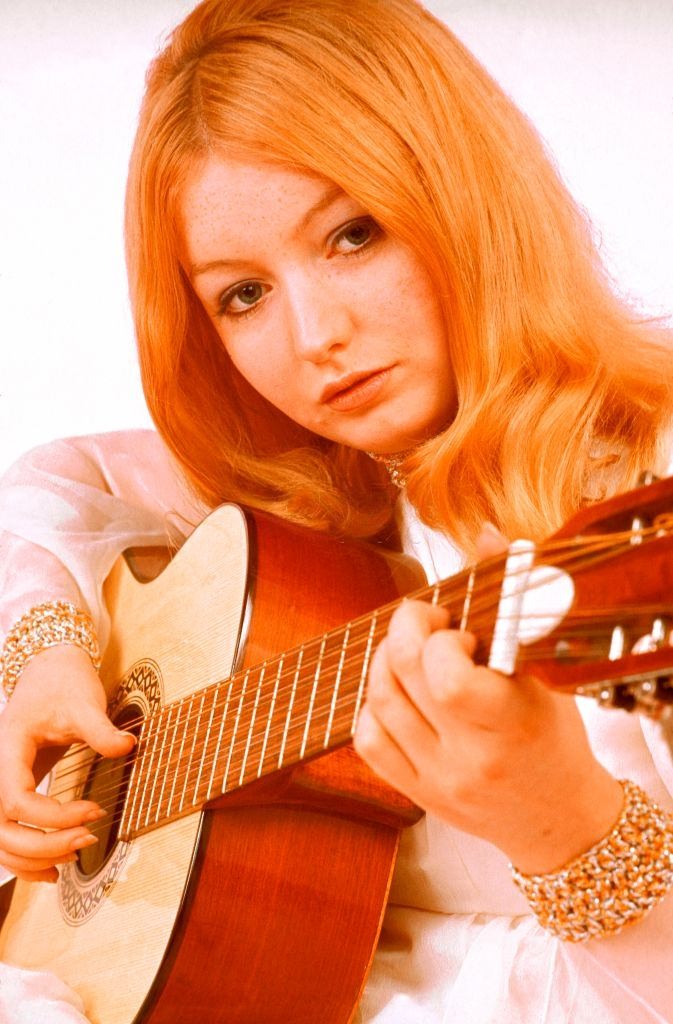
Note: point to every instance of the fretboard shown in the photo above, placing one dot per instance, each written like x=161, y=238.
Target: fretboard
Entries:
x=292, y=707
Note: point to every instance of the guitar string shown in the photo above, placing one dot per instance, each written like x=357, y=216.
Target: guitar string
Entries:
x=328, y=665
x=596, y=542
x=251, y=748
x=193, y=797
x=451, y=585
x=268, y=735
x=265, y=738
x=365, y=620
x=336, y=634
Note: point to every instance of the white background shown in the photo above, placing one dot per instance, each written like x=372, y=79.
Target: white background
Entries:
x=595, y=77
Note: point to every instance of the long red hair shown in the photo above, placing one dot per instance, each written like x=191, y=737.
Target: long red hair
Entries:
x=562, y=390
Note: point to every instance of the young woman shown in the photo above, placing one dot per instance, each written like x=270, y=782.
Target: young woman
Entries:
x=354, y=270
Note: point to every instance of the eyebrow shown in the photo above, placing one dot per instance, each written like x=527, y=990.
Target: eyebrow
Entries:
x=330, y=196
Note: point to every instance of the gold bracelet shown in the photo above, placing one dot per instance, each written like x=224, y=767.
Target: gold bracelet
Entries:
x=45, y=625
x=615, y=882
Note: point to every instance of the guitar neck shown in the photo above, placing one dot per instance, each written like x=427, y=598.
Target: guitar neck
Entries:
x=560, y=608
x=290, y=708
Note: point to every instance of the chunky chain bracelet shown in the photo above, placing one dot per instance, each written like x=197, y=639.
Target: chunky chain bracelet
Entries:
x=45, y=625
x=617, y=881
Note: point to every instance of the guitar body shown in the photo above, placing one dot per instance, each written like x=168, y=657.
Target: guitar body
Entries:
x=266, y=906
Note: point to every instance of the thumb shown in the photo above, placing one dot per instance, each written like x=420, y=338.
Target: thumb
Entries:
x=99, y=733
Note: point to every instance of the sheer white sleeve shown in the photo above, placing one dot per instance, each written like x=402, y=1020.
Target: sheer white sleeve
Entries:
x=461, y=942
x=67, y=511
x=69, y=508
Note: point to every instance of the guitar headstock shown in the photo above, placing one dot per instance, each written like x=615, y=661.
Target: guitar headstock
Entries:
x=615, y=640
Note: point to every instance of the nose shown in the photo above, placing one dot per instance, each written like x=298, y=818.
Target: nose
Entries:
x=320, y=318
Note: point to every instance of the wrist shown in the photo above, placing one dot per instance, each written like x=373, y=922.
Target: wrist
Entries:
x=47, y=625
x=616, y=882
x=569, y=827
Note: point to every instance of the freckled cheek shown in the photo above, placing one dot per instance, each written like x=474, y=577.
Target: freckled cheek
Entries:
x=422, y=316
x=272, y=379
x=400, y=296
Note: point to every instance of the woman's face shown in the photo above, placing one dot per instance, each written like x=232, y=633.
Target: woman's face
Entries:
x=328, y=317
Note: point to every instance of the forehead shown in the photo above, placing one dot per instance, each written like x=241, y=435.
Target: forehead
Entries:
x=226, y=196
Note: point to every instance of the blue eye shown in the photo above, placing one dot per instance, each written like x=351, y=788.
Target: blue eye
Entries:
x=242, y=298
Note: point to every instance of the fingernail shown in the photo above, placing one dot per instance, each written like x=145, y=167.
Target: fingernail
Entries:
x=94, y=815
x=82, y=841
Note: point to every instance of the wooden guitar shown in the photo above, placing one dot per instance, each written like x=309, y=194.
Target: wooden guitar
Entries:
x=243, y=868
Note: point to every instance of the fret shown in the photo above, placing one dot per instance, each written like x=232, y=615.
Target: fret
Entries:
x=204, y=748
x=365, y=670
x=166, y=743
x=218, y=745
x=269, y=717
x=137, y=780
x=306, y=700
x=193, y=728
x=337, y=684
x=288, y=716
x=311, y=703
x=468, y=599
x=153, y=772
x=251, y=728
x=233, y=735
x=175, y=763
x=144, y=773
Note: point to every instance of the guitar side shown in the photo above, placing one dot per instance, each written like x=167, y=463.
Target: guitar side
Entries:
x=234, y=914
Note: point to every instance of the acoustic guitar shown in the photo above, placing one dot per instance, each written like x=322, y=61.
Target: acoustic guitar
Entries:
x=242, y=871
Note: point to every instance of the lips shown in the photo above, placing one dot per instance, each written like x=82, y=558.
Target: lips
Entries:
x=354, y=388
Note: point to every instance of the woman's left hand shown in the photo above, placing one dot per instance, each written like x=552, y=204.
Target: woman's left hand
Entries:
x=501, y=757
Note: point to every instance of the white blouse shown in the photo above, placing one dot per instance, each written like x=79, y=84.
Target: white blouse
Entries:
x=459, y=944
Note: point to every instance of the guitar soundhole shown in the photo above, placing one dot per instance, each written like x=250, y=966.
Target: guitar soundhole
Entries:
x=107, y=785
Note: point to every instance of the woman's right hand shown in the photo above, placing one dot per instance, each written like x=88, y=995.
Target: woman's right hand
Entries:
x=59, y=699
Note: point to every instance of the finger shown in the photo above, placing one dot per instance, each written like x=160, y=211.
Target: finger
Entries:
x=382, y=753
x=448, y=667
x=19, y=800
x=490, y=542
x=32, y=864
x=48, y=875
x=95, y=729
x=80, y=713
x=472, y=692
x=410, y=626
x=391, y=704
x=23, y=841
x=46, y=812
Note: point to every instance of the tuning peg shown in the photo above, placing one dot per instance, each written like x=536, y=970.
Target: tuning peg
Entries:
x=639, y=524
x=656, y=638
x=654, y=696
x=617, y=697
